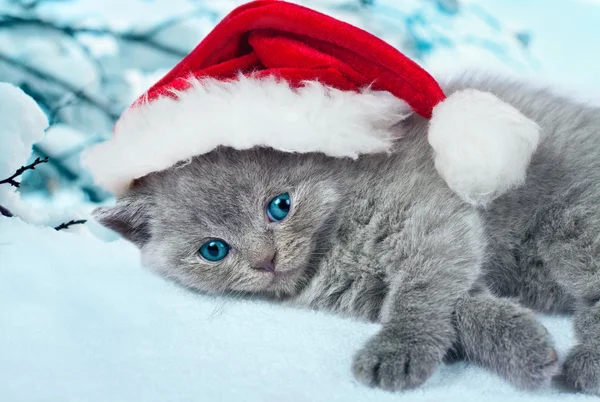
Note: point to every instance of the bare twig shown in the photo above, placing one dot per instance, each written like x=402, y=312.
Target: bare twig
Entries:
x=5, y=212
x=21, y=170
x=11, y=180
x=70, y=223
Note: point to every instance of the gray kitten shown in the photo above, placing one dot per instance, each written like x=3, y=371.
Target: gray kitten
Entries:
x=383, y=238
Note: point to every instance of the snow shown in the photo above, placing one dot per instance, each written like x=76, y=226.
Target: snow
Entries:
x=82, y=321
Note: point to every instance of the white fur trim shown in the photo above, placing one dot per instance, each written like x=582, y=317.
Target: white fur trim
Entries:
x=482, y=145
x=244, y=113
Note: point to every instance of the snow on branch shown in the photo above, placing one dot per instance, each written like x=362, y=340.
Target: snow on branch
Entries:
x=145, y=38
x=78, y=92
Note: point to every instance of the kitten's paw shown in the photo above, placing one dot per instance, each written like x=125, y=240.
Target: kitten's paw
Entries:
x=385, y=362
x=581, y=369
x=533, y=359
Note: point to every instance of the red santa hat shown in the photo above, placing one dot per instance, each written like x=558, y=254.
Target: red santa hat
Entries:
x=280, y=75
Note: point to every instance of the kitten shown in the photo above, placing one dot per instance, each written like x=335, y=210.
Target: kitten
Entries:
x=382, y=238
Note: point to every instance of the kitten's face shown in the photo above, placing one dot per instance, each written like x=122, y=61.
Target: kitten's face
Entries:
x=232, y=221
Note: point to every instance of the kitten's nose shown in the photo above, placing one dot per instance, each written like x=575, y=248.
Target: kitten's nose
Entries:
x=267, y=263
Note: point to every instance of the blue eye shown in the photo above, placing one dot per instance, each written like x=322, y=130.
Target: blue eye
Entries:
x=214, y=250
x=279, y=207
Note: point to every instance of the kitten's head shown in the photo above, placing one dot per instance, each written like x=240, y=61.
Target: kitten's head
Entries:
x=232, y=221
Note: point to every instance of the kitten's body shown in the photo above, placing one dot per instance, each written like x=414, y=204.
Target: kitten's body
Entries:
x=382, y=238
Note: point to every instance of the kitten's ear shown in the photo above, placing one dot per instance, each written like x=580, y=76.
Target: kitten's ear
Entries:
x=129, y=217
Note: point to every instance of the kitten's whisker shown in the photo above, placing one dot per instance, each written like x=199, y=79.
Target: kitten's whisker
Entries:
x=219, y=306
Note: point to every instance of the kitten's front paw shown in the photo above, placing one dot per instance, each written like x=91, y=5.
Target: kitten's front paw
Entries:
x=388, y=363
x=525, y=351
x=581, y=369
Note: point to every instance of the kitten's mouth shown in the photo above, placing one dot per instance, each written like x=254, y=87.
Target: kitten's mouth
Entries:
x=278, y=276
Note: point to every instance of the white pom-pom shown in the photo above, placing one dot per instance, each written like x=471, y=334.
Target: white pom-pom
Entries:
x=482, y=145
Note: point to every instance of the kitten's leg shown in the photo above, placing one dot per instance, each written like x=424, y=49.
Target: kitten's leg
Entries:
x=405, y=353
x=435, y=266
x=570, y=246
x=506, y=339
x=582, y=366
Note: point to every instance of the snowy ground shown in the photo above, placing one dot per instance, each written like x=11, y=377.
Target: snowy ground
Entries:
x=80, y=320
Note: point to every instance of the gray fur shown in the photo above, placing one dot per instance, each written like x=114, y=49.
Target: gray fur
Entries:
x=382, y=238
x=506, y=338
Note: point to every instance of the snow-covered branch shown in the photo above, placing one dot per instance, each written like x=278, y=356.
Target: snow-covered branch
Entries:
x=66, y=85
x=144, y=38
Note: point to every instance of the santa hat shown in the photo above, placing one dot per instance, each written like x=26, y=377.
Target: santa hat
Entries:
x=280, y=75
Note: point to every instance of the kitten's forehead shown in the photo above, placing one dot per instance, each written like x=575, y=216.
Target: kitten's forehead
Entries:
x=224, y=189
